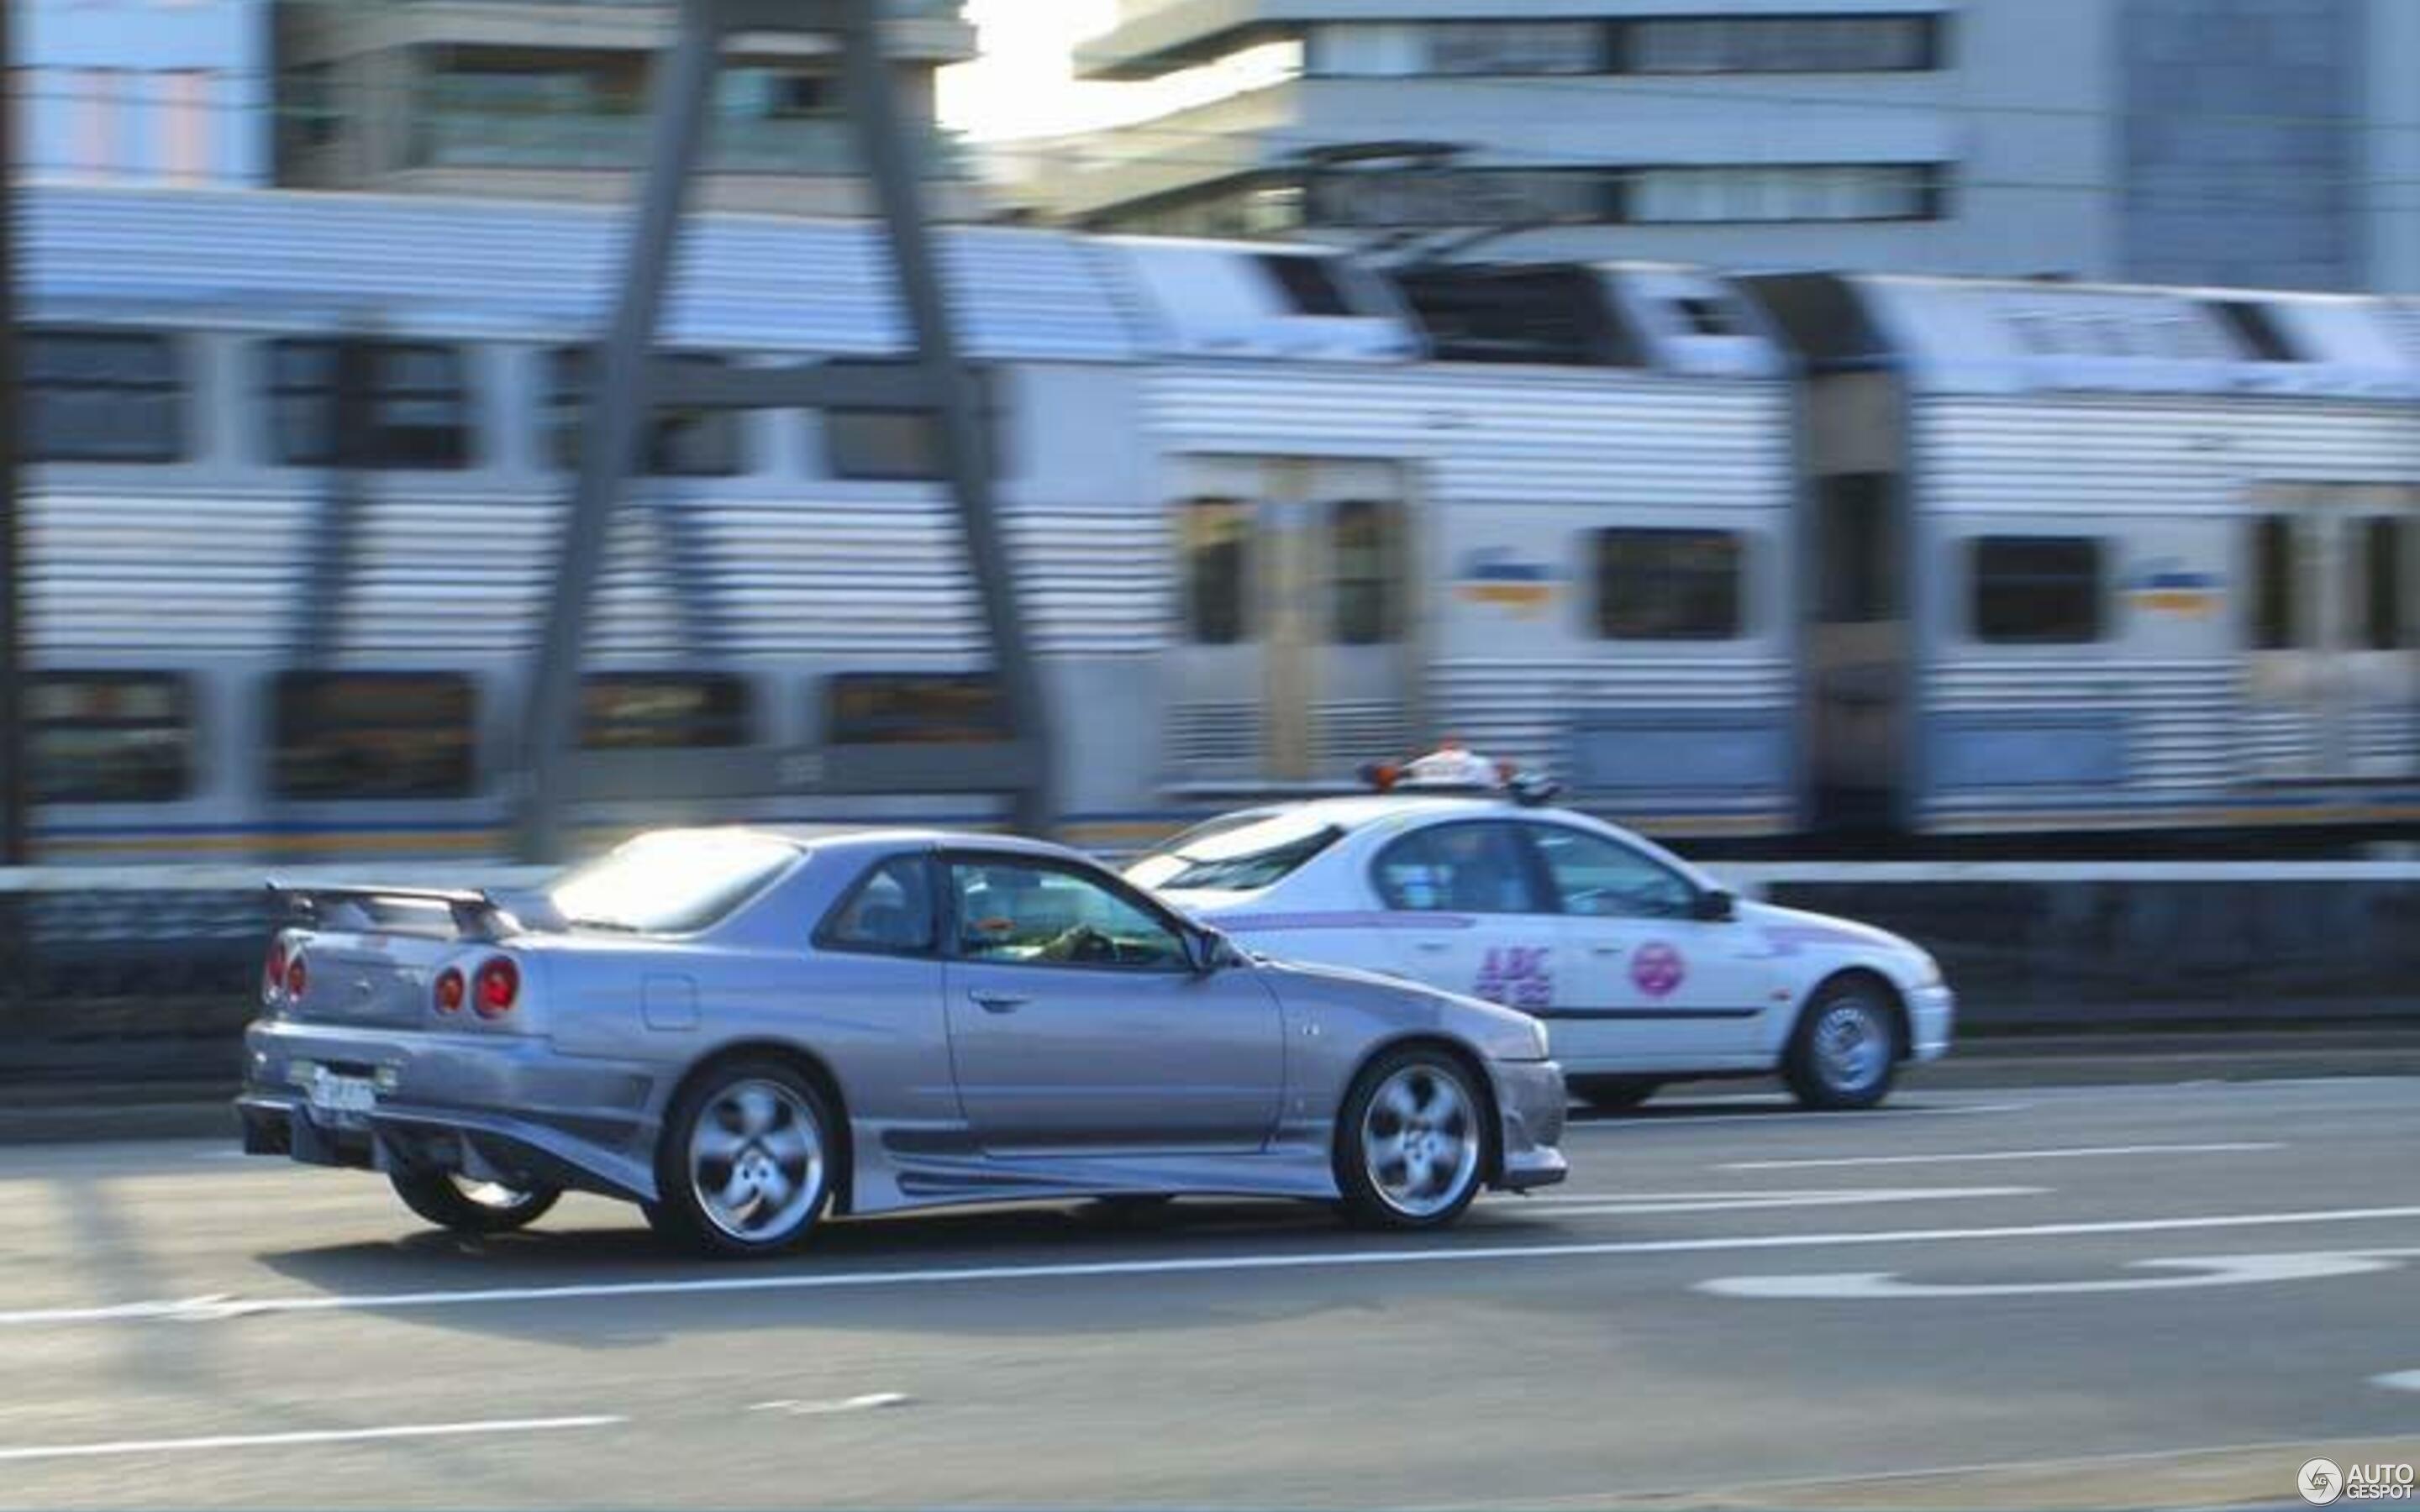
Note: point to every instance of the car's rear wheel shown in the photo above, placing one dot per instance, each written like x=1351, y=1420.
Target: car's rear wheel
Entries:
x=1411, y=1146
x=1614, y=1094
x=454, y=1201
x=746, y=1163
x=1846, y=1052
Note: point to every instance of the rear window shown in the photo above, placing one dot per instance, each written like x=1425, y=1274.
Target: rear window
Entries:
x=671, y=883
x=1239, y=858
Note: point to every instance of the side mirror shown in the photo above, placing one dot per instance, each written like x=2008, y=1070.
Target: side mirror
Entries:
x=1716, y=907
x=1209, y=952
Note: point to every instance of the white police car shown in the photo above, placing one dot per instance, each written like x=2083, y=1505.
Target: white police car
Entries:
x=1455, y=874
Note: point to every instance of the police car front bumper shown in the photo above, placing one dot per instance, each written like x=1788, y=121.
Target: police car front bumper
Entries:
x=1932, y=1022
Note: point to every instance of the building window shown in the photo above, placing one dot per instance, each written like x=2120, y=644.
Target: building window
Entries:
x=103, y=396
x=2038, y=589
x=342, y=737
x=914, y=709
x=111, y=737
x=2273, y=612
x=1784, y=192
x=1367, y=574
x=1516, y=47
x=1215, y=538
x=413, y=402
x=682, y=444
x=661, y=711
x=1784, y=44
x=1669, y=585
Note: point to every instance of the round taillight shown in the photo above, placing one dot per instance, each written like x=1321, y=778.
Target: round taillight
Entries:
x=500, y=983
x=297, y=977
x=451, y=989
x=273, y=976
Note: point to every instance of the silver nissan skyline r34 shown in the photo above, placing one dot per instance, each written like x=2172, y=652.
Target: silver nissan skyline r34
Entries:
x=743, y=1031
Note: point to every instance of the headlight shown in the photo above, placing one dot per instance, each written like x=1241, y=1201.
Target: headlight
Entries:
x=1545, y=1045
x=1928, y=971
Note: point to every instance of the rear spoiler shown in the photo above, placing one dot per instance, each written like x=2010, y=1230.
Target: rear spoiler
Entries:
x=477, y=916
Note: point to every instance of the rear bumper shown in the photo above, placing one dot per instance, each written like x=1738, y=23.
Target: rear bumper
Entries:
x=1530, y=1102
x=494, y=1109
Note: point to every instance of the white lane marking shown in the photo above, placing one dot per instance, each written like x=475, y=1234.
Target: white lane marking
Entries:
x=2221, y=1271
x=2400, y=1381
x=1678, y=1120
x=1202, y=1265
x=872, y=1401
x=1759, y=1201
x=2080, y=1153
x=279, y=1441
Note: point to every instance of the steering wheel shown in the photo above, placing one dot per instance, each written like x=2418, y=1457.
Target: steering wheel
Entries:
x=1085, y=945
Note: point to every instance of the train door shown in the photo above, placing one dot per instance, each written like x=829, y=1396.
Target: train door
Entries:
x=2335, y=643
x=1295, y=659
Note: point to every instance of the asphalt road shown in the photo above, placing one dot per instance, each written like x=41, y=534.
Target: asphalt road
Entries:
x=2104, y=1296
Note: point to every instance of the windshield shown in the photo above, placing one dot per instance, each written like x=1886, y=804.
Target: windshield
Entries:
x=670, y=884
x=1237, y=857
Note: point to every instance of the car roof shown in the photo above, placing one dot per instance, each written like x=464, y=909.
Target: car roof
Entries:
x=1364, y=810
x=852, y=838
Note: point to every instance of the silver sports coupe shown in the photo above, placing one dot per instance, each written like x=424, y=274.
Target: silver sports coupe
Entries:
x=745, y=1030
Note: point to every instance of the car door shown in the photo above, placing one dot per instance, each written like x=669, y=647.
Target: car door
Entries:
x=1078, y=1026
x=1646, y=984
x=1468, y=912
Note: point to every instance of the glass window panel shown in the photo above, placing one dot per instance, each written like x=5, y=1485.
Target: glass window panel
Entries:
x=2038, y=589
x=1216, y=539
x=342, y=737
x=914, y=709
x=1599, y=878
x=1368, y=575
x=1023, y=913
x=1459, y=868
x=110, y=737
x=103, y=396
x=1669, y=585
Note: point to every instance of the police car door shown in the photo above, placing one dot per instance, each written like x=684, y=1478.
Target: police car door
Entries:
x=1468, y=912
x=1644, y=984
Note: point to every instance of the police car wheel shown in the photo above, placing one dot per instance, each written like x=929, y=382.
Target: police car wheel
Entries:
x=1614, y=1094
x=1846, y=1051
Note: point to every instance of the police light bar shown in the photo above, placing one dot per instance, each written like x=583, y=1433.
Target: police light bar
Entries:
x=1452, y=769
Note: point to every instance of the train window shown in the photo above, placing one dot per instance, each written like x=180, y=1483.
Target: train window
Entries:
x=1368, y=574
x=913, y=709
x=1308, y=283
x=339, y=737
x=1215, y=537
x=2273, y=583
x=682, y=444
x=878, y=443
x=1669, y=585
x=2385, y=623
x=2036, y=589
x=111, y=737
x=663, y=711
x=413, y=401
x=103, y=396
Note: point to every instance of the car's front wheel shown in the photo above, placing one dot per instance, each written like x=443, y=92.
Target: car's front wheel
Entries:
x=1411, y=1147
x=1846, y=1052
x=746, y=1163
x=467, y=1207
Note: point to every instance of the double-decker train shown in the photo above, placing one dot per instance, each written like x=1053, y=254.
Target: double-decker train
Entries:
x=1731, y=557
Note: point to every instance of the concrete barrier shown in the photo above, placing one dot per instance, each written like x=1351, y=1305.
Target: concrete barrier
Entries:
x=149, y=973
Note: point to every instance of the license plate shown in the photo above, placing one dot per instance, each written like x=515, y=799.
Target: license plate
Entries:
x=342, y=1094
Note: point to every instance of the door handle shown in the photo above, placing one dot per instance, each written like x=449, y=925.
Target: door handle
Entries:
x=1432, y=946
x=997, y=1002
x=1610, y=950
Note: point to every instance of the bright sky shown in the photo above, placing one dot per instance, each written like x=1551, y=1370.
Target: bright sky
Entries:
x=1024, y=85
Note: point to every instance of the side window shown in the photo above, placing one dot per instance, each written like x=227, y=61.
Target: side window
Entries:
x=111, y=737
x=1669, y=585
x=1367, y=575
x=913, y=709
x=1216, y=544
x=1459, y=868
x=681, y=443
x=2038, y=589
x=414, y=404
x=1016, y=912
x=652, y=711
x=2273, y=608
x=358, y=735
x=103, y=396
x=1598, y=878
x=890, y=912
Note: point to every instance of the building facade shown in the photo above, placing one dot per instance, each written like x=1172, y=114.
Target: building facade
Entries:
x=547, y=99
x=2223, y=141
x=143, y=91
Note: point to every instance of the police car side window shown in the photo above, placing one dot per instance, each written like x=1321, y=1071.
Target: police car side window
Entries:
x=1458, y=869
x=1599, y=878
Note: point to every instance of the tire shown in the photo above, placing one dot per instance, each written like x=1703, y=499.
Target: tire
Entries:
x=1412, y=1145
x=1845, y=1053
x=746, y=1163
x=468, y=1206
x=1614, y=1094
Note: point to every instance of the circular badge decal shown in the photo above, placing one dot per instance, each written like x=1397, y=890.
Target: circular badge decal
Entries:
x=1658, y=970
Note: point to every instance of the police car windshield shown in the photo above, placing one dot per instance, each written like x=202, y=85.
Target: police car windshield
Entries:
x=1237, y=858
